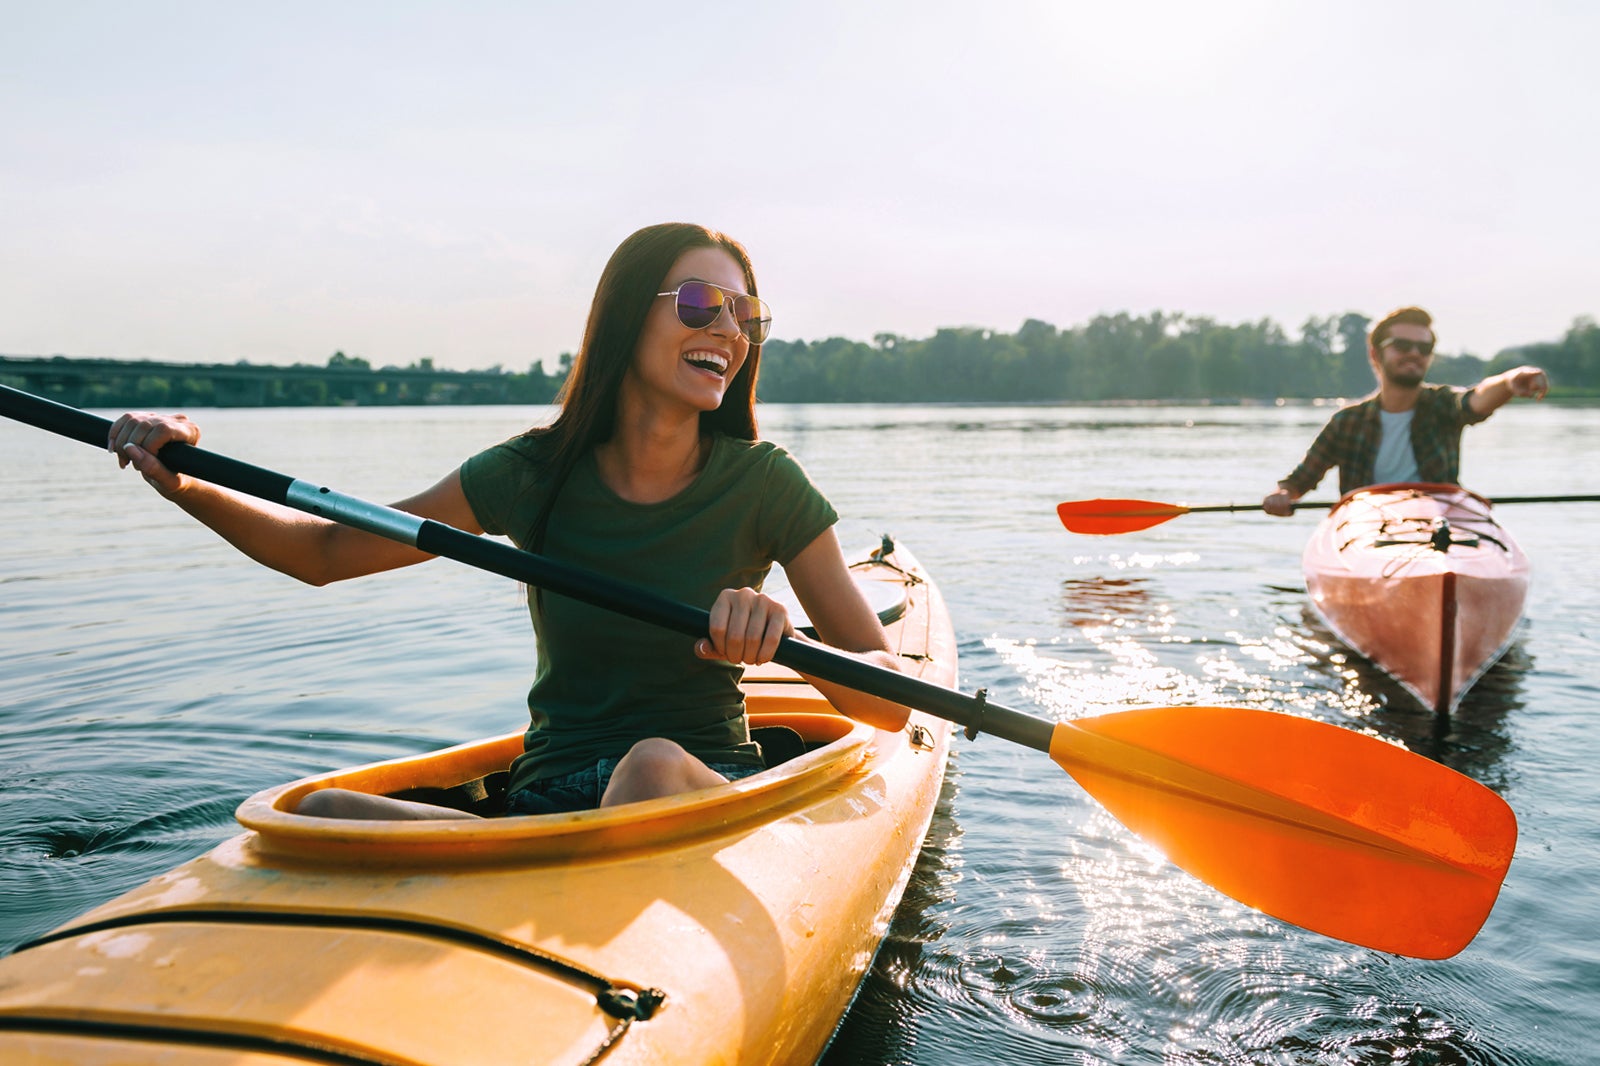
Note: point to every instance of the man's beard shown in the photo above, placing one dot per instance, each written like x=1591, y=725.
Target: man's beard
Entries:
x=1406, y=379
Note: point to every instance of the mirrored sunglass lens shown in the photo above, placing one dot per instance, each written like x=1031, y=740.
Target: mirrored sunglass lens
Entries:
x=754, y=318
x=698, y=304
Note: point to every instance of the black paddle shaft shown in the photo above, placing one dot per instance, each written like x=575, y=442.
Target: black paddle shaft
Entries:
x=1313, y=505
x=974, y=713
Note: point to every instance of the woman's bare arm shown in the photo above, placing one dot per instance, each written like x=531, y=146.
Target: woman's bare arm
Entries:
x=311, y=549
x=846, y=622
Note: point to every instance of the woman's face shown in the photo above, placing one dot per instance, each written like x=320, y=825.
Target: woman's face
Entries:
x=690, y=367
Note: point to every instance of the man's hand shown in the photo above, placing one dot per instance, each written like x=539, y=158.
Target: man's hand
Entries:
x=1280, y=503
x=1527, y=381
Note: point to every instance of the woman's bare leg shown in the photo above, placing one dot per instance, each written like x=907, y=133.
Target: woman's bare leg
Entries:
x=343, y=803
x=654, y=768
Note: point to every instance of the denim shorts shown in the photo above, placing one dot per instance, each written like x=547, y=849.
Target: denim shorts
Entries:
x=581, y=790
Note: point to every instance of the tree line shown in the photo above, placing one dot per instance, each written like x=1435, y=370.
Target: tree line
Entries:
x=1132, y=357
x=1119, y=357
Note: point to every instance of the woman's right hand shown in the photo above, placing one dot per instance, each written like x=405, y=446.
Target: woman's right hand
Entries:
x=745, y=628
x=136, y=438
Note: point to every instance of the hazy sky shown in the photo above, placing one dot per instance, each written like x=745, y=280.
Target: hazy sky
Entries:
x=220, y=181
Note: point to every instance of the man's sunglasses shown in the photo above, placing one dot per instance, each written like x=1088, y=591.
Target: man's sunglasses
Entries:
x=1400, y=344
x=700, y=303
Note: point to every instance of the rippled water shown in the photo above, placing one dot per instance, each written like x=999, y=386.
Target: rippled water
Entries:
x=150, y=679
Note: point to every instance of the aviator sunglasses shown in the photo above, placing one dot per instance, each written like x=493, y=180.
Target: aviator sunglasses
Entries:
x=1400, y=344
x=700, y=303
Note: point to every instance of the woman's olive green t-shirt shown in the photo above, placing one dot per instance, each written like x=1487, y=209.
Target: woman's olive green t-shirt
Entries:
x=603, y=681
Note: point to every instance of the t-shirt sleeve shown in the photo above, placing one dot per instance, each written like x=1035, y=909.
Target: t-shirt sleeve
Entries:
x=1323, y=455
x=1462, y=408
x=490, y=480
x=794, y=512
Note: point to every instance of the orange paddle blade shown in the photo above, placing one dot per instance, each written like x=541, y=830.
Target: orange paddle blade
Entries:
x=1115, y=516
x=1323, y=827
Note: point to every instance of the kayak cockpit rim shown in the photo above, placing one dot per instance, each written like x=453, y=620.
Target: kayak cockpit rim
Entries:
x=847, y=750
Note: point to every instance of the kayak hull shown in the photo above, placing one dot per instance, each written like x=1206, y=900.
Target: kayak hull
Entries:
x=1421, y=580
x=728, y=925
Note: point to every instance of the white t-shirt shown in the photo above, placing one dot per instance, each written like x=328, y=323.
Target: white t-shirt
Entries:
x=1396, y=460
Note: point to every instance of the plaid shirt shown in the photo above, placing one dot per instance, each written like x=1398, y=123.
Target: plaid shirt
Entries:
x=1350, y=441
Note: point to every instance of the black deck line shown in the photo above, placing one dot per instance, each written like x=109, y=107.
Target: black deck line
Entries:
x=604, y=987
x=304, y=1049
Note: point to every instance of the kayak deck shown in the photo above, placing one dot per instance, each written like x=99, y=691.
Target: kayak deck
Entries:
x=1423, y=581
x=731, y=924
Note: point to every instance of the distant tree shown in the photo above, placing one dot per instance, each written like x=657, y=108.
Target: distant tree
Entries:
x=1355, y=370
x=152, y=391
x=1046, y=353
x=1462, y=369
x=1315, y=363
x=848, y=373
x=1111, y=361
x=340, y=361
x=1264, y=354
x=1222, y=364
x=1174, y=369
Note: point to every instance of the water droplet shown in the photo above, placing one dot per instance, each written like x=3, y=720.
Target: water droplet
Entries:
x=1058, y=1000
x=991, y=972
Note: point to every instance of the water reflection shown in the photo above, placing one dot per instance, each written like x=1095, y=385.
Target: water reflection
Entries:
x=1149, y=964
x=1475, y=740
x=874, y=1029
x=1035, y=928
x=1097, y=601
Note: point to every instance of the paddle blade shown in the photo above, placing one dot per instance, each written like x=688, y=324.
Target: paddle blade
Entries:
x=1323, y=827
x=1104, y=517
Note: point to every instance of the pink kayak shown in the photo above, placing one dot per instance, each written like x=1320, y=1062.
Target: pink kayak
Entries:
x=1420, y=579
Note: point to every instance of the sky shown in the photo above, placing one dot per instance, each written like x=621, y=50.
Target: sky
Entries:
x=215, y=182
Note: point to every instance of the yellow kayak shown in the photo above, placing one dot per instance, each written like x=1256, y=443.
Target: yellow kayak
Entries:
x=728, y=925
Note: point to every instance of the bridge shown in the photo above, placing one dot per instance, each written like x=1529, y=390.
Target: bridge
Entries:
x=118, y=383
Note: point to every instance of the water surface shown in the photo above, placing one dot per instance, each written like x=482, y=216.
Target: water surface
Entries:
x=151, y=678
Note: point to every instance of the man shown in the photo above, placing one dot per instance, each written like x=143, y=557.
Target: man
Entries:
x=1406, y=431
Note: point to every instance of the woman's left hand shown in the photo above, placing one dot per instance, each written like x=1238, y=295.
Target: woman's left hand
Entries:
x=745, y=628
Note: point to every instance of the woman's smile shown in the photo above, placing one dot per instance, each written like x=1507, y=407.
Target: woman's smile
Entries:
x=708, y=360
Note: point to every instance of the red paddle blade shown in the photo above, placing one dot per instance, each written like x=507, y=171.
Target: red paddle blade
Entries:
x=1115, y=516
x=1323, y=827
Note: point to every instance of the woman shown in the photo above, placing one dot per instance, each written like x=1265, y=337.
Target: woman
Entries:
x=651, y=472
